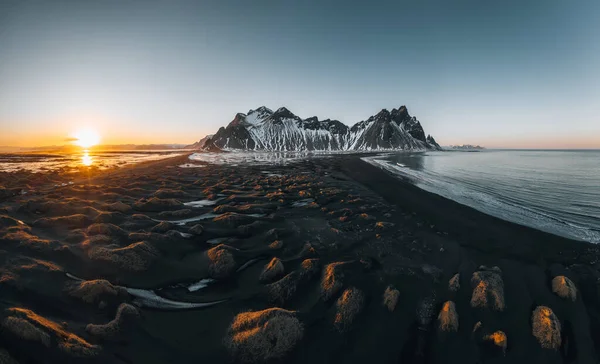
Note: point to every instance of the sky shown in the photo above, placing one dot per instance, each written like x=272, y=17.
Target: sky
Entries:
x=513, y=74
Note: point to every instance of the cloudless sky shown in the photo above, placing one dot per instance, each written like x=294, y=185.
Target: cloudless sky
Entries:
x=497, y=73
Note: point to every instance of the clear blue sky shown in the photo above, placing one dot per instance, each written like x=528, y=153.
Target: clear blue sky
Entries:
x=500, y=73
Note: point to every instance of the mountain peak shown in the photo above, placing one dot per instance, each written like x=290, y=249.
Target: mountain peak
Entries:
x=282, y=130
x=261, y=110
x=283, y=112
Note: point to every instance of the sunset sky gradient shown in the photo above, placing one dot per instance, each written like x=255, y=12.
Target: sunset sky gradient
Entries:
x=516, y=74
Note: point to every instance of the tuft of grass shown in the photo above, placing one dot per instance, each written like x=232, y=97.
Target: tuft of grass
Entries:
x=105, y=229
x=448, y=317
x=349, y=305
x=28, y=325
x=454, y=283
x=134, y=257
x=263, y=335
x=499, y=339
x=488, y=291
x=126, y=313
x=272, y=270
x=331, y=282
x=390, y=298
x=546, y=328
x=222, y=263
x=94, y=291
x=564, y=288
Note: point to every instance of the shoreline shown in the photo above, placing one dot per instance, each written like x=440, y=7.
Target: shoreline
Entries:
x=456, y=217
x=333, y=234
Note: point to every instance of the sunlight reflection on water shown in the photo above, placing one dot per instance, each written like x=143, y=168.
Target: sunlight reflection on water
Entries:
x=74, y=161
x=86, y=160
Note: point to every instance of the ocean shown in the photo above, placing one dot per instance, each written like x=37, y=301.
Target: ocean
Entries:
x=557, y=191
x=66, y=162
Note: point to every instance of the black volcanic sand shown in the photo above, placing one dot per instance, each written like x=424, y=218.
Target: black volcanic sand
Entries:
x=321, y=239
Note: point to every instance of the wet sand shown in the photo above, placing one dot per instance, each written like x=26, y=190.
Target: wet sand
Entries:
x=155, y=263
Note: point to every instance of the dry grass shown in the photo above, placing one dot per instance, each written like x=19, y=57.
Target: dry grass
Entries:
x=162, y=227
x=282, y=290
x=94, y=291
x=71, y=221
x=383, y=225
x=349, y=305
x=272, y=270
x=125, y=314
x=448, y=317
x=263, y=335
x=196, y=229
x=28, y=325
x=285, y=288
x=277, y=244
x=5, y=358
x=488, y=291
x=26, y=330
x=222, y=263
x=390, y=298
x=331, y=283
x=454, y=283
x=546, y=327
x=157, y=204
x=309, y=267
x=105, y=229
x=564, y=288
x=499, y=339
x=134, y=257
x=117, y=206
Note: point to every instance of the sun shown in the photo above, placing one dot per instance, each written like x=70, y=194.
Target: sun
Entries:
x=86, y=138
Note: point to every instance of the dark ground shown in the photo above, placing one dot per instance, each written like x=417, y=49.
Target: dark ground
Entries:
x=106, y=225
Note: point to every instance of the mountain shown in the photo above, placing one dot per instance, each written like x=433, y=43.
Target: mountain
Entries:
x=199, y=144
x=464, y=147
x=282, y=130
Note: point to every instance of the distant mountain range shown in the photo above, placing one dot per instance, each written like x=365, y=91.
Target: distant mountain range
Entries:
x=281, y=130
x=464, y=147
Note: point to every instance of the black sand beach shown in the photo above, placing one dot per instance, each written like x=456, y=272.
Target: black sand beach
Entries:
x=323, y=260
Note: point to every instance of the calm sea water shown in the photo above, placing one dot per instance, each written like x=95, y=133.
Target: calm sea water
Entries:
x=554, y=191
x=46, y=162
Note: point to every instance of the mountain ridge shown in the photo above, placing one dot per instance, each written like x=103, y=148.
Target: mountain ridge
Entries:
x=281, y=130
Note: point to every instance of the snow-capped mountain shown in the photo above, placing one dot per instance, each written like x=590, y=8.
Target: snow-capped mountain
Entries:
x=199, y=144
x=263, y=129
